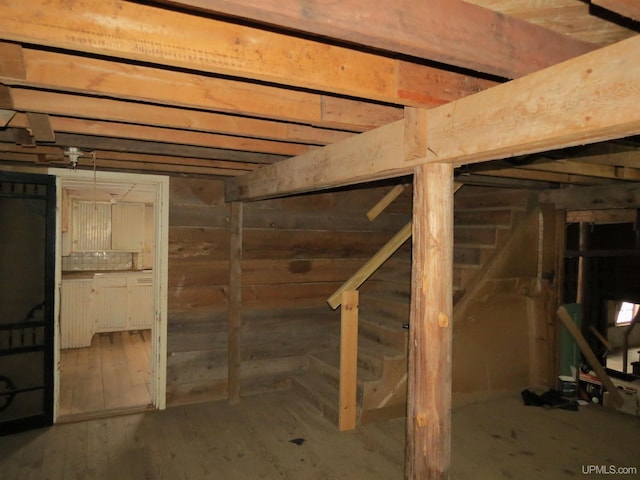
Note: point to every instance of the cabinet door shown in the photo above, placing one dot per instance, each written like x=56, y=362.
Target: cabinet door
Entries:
x=111, y=304
x=77, y=319
x=127, y=227
x=91, y=227
x=140, y=302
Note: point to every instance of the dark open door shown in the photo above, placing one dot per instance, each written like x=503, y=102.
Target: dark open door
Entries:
x=27, y=254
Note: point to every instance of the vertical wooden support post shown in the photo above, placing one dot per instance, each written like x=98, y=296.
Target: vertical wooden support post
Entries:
x=235, y=301
x=348, y=359
x=428, y=446
x=583, y=262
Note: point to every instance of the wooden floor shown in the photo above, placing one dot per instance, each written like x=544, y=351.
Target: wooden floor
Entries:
x=279, y=436
x=113, y=374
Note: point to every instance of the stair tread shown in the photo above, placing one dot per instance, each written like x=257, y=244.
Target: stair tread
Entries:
x=371, y=346
x=332, y=358
x=320, y=393
x=385, y=321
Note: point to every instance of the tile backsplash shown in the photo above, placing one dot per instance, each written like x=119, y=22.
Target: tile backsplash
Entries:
x=83, y=261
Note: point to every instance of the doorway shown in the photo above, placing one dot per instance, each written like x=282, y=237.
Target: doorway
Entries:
x=27, y=237
x=111, y=307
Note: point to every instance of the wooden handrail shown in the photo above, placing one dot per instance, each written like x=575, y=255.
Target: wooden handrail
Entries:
x=381, y=255
x=372, y=265
x=379, y=207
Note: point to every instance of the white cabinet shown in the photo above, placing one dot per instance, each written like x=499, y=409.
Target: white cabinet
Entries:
x=111, y=300
x=103, y=226
x=127, y=227
x=124, y=302
x=90, y=226
x=106, y=302
x=77, y=313
x=140, y=302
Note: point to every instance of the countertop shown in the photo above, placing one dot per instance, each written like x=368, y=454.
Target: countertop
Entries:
x=90, y=274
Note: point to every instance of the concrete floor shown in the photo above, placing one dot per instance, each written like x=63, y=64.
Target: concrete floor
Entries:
x=279, y=436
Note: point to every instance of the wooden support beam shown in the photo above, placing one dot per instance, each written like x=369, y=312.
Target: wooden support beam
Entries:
x=348, y=360
x=542, y=111
x=594, y=198
x=178, y=39
x=235, y=301
x=428, y=450
x=420, y=29
x=583, y=267
x=603, y=217
x=590, y=357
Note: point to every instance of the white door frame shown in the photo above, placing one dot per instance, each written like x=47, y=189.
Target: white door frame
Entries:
x=160, y=269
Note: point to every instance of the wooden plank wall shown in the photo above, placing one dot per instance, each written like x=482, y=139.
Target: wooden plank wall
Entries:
x=296, y=252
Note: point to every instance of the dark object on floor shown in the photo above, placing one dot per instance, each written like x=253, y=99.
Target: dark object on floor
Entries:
x=531, y=399
x=297, y=441
x=549, y=399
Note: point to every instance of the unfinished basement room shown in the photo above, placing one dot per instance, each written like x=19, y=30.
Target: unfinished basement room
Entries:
x=293, y=239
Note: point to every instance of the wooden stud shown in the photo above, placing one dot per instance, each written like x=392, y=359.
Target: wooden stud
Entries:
x=428, y=445
x=235, y=301
x=348, y=360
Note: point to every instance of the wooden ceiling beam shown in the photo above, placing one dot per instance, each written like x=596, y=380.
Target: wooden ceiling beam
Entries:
x=574, y=167
x=542, y=111
x=119, y=165
x=626, y=8
x=174, y=136
x=99, y=108
x=177, y=39
x=594, y=198
x=541, y=176
x=74, y=73
x=448, y=31
x=55, y=154
x=128, y=146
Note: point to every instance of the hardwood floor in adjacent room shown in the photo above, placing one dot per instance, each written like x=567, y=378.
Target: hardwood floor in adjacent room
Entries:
x=111, y=375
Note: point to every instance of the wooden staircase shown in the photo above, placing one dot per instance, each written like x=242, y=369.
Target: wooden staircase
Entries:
x=384, y=306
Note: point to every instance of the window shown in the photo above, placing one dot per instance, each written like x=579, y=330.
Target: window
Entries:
x=626, y=312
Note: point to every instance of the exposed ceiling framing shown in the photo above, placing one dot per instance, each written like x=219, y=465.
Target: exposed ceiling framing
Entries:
x=225, y=88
